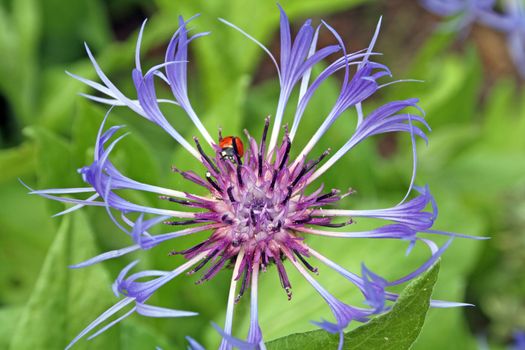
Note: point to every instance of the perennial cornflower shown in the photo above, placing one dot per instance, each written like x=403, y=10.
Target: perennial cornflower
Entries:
x=510, y=21
x=465, y=12
x=519, y=340
x=256, y=200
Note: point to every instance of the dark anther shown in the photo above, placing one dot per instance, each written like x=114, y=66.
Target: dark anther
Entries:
x=204, y=262
x=333, y=225
x=288, y=195
x=175, y=200
x=230, y=194
x=301, y=174
x=319, y=160
x=189, y=250
x=264, y=259
x=191, y=176
x=208, y=160
x=303, y=221
x=286, y=153
x=327, y=195
x=226, y=219
x=213, y=183
x=236, y=153
x=183, y=202
x=309, y=166
x=305, y=263
x=245, y=278
x=283, y=277
x=220, y=134
x=252, y=217
x=184, y=222
x=281, y=165
x=213, y=270
x=262, y=146
x=274, y=178
x=239, y=176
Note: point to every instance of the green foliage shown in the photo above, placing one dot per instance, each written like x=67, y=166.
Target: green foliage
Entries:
x=474, y=166
x=52, y=316
x=396, y=330
x=8, y=318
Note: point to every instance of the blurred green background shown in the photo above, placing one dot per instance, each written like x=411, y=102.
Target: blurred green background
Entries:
x=474, y=165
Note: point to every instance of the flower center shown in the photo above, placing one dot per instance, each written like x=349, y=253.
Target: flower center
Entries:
x=259, y=212
x=258, y=202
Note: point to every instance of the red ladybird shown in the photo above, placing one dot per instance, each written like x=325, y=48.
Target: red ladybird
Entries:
x=226, y=145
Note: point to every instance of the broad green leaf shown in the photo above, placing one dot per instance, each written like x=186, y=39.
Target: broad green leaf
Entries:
x=54, y=161
x=137, y=336
x=451, y=89
x=17, y=161
x=53, y=157
x=65, y=301
x=81, y=21
x=8, y=318
x=396, y=330
x=18, y=54
x=25, y=235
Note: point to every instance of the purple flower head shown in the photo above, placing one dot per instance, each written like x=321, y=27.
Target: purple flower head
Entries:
x=256, y=200
x=464, y=12
x=519, y=340
x=511, y=21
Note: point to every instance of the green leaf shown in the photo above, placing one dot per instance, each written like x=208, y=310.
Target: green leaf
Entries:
x=138, y=336
x=81, y=21
x=25, y=237
x=19, y=43
x=64, y=301
x=54, y=161
x=16, y=162
x=397, y=329
x=8, y=319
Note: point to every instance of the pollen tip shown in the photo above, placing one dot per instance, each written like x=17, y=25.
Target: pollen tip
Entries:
x=348, y=193
x=288, y=293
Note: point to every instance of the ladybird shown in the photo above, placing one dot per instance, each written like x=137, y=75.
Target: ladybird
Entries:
x=226, y=145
